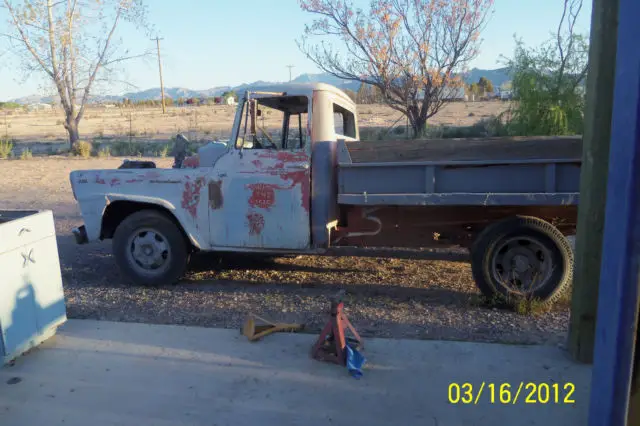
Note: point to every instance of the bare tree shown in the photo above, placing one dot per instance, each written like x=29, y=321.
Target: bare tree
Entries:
x=412, y=50
x=572, y=48
x=73, y=43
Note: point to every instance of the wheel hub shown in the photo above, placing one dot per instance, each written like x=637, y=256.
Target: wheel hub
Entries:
x=521, y=265
x=149, y=250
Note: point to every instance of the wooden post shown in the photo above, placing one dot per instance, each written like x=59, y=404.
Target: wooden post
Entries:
x=593, y=179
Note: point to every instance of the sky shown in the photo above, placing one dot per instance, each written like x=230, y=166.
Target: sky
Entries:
x=208, y=43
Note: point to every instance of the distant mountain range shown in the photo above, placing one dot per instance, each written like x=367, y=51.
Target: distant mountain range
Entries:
x=497, y=77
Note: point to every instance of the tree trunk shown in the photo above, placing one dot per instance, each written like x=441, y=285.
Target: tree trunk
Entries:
x=418, y=125
x=72, y=130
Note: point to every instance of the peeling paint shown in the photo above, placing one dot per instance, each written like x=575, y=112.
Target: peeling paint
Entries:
x=115, y=181
x=134, y=180
x=263, y=195
x=191, y=196
x=257, y=163
x=256, y=223
x=215, y=194
x=192, y=162
x=300, y=177
x=99, y=180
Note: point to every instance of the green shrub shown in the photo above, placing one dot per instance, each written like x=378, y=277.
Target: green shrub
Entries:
x=82, y=149
x=122, y=148
x=164, y=151
x=95, y=146
x=104, y=152
x=26, y=154
x=6, y=147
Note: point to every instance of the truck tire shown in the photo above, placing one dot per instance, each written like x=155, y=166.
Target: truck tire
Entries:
x=150, y=249
x=522, y=258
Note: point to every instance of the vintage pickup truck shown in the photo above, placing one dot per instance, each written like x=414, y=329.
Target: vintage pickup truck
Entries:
x=312, y=187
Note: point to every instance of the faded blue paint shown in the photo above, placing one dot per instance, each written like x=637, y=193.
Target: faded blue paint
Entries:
x=324, y=189
x=471, y=183
x=618, y=294
x=460, y=199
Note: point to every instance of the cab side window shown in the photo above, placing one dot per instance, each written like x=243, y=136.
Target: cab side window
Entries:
x=275, y=122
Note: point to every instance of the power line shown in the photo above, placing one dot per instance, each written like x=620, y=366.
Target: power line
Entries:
x=157, y=39
x=290, y=68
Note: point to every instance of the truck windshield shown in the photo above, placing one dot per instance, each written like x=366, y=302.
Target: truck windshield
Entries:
x=278, y=122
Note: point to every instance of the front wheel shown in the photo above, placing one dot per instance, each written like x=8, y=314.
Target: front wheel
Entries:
x=150, y=249
x=522, y=258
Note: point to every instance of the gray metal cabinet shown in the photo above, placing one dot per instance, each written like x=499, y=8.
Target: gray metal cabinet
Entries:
x=31, y=294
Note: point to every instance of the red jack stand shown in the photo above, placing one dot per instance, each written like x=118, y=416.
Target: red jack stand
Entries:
x=331, y=344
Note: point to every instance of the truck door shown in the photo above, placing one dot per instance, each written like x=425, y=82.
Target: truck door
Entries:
x=263, y=186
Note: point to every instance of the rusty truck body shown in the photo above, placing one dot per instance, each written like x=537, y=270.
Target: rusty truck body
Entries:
x=312, y=187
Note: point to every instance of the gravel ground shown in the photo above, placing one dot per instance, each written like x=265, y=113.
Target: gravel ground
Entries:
x=432, y=299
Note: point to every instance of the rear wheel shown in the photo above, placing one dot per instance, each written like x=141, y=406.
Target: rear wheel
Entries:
x=150, y=249
x=522, y=258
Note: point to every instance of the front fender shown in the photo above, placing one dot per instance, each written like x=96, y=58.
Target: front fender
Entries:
x=93, y=211
x=177, y=192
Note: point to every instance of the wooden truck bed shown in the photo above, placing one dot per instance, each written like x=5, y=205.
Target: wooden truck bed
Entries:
x=492, y=171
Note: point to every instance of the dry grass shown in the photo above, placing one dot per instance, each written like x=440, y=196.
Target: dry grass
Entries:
x=205, y=121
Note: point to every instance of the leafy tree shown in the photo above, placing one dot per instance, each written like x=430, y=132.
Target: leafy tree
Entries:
x=548, y=81
x=485, y=85
x=231, y=93
x=72, y=43
x=410, y=50
x=474, y=89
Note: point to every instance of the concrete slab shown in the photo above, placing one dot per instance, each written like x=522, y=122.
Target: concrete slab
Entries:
x=104, y=373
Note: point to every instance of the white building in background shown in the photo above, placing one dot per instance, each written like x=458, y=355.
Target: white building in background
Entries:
x=230, y=100
x=452, y=93
x=39, y=107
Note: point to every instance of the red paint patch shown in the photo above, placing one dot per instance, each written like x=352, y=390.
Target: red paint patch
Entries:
x=300, y=177
x=256, y=223
x=191, y=196
x=257, y=163
x=263, y=195
x=191, y=162
x=115, y=181
x=99, y=180
x=133, y=180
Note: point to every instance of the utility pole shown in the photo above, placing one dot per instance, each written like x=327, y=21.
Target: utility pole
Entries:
x=157, y=39
x=290, y=67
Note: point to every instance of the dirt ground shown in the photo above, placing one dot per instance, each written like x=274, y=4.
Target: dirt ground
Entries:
x=200, y=122
x=386, y=297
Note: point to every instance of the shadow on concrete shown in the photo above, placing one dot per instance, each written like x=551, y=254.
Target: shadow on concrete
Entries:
x=30, y=321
